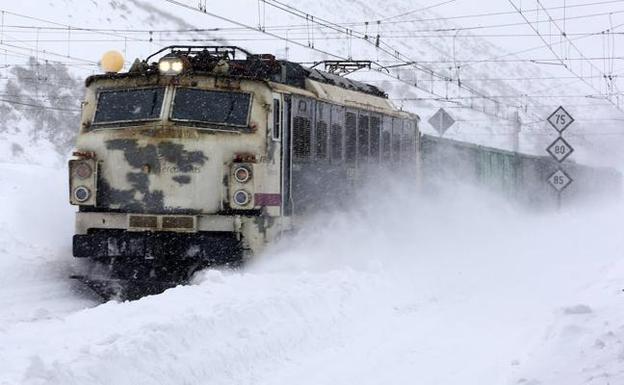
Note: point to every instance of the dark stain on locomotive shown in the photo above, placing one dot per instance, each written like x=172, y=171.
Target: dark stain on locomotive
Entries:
x=140, y=198
x=137, y=156
x=126, y=199
x=182, y=179
x=184, y=160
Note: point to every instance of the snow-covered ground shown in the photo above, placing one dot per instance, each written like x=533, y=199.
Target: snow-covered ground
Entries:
x=408, y=289
x=35, y=241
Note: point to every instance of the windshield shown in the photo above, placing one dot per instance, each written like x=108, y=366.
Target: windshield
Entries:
x=116, y=106
x=215, y=107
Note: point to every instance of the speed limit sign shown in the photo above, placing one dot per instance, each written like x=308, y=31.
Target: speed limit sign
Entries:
x=560, y=119
x=559, y=180
x=560, y=149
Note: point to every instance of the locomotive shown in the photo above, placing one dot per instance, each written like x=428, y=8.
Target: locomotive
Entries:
x=201, y=156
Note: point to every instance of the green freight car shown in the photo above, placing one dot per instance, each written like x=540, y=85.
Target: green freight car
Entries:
x=520, y=177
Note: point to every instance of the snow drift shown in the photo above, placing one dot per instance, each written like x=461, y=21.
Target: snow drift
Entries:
x=457, y=288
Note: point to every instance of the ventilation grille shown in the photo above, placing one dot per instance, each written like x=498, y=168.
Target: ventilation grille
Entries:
x=182, y=223
x=161, y=222
x=143, y=222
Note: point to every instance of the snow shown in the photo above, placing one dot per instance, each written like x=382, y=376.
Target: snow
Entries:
x=459, y=288
x=35, y=227
x=439, y=290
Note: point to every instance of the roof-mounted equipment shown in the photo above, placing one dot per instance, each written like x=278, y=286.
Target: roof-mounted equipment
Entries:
x=344, y=67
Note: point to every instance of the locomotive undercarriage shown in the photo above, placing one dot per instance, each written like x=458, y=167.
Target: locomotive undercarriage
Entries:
x=129, y=265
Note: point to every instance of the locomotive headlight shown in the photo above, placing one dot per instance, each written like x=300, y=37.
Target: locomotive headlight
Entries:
x=82, y=194
x=164, y=66
x=170, y=66
x=83, y=179
x=241, y=197
x=177, y=66
x=83, y=171
x=242, y=174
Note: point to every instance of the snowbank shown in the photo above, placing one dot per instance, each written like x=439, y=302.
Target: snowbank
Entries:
x=36, y=224
x=435, y=290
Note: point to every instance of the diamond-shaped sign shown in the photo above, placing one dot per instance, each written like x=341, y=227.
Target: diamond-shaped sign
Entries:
x=559, y=180
x=560, y=149
x=560, y=119
x=441, y=121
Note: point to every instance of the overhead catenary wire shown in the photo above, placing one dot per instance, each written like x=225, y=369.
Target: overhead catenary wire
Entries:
x=328, y=24
x=292, y=10
x=558, y=57
x=392, y=52
x=318, y=39
x=38, y=106
x=64, y=26
x=240, y=24
x=498, y=79
x=342, y=24
x=304, y=27
x=541, y=46
x=48, y=52
x=415, y=11
x=405, y=34
x=489, y=14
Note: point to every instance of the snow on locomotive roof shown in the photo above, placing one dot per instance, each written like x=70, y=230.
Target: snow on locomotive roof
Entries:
x=342, y=82
x=206, y=61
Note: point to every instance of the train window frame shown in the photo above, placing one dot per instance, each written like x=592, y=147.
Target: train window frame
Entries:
x=350, y=158
x=210, y=125
x=409, y=141
x=302, y=106
x=386, y=133
x=119, y=123
x=276, y=130
x=321, y=142
x=378, y=117
x=363, y=155
x=306, y=144
x=397, y=128
x=337, y=121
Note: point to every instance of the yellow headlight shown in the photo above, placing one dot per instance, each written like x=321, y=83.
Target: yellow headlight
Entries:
x=177, y=66
x=170, y=66
x=164, y=66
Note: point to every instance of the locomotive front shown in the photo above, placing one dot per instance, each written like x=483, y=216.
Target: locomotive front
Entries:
x=172, y=170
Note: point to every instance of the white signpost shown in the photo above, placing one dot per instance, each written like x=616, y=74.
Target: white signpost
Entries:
x=560, y=150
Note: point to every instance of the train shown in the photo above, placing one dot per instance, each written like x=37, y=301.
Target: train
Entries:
x=207, y=154
x=201, y=156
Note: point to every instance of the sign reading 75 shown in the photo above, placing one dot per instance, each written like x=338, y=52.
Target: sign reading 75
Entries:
x=560, y=119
